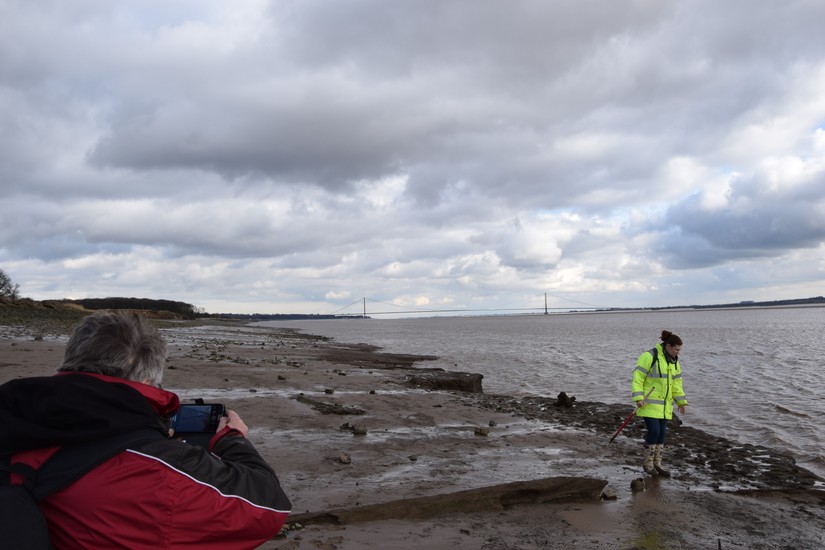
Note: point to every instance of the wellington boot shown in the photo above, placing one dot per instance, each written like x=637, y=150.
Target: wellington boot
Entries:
x=648, y=465
x=657, y=460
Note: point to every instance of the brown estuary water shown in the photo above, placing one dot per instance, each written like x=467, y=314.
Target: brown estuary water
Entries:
x=751, y=375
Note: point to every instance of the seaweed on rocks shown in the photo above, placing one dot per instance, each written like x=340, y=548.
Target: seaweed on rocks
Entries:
x=724, y=462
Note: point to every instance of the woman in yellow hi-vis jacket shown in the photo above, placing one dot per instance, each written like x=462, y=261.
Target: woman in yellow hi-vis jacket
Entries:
x=657, y=383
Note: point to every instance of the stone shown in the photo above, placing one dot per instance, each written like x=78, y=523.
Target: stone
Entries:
x=328, y=408
x=563, y=400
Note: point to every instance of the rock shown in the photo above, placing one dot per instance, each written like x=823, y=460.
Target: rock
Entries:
x=344, y=458
x=482, y=431
x=359, y=429
x=564, y=401
x=448, y=381
x=637, y=485
x=328, y=408
x=281, y=377
x=609, y=493
x=676, y=420
x=329, y=391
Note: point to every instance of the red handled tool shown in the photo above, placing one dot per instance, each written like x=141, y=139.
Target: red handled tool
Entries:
x=632, y=414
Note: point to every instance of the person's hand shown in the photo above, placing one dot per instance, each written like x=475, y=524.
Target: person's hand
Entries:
x=233, y=421
x=640, y=403
x=682, y=409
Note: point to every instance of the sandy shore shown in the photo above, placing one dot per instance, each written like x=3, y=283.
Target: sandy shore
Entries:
x=302, y=395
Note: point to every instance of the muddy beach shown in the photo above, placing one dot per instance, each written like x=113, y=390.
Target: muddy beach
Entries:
x=350, y=429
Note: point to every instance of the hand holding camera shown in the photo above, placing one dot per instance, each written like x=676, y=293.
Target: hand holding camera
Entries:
x=197, y=423
x=233, y=420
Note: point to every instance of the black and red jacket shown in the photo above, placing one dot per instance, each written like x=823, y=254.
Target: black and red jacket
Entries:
x=156, y=494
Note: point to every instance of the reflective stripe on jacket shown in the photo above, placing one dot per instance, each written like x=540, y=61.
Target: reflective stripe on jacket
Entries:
x=664, y=378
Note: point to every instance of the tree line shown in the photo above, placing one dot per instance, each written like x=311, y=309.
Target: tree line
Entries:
x=181, y=309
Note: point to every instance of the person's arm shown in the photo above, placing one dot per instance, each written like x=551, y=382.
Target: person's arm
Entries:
x=231, y=423
x=234, y=495
x=640, y=373
x=678, y=391
x=243, y=461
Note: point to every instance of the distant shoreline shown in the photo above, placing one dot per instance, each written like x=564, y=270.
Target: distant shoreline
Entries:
x=704, y=308
x=54, y=316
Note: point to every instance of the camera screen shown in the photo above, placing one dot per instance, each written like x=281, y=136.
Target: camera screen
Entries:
x=193, y=418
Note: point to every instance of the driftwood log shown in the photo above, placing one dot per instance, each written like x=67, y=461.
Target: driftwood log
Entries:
x=484, y=499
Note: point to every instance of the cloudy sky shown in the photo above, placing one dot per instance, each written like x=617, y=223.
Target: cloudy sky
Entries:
x=298, y=155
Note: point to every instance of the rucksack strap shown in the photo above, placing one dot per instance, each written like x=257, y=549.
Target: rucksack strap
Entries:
x=71, y=462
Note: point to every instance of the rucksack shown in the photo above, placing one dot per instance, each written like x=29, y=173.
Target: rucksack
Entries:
x=22, y=524
x=655, y=353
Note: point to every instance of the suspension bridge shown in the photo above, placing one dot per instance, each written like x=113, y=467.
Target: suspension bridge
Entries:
x=358, y=308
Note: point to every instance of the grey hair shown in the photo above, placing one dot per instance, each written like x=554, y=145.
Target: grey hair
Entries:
x=116, y=344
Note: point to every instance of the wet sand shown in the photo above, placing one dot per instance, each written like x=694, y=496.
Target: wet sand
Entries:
x=421, y=442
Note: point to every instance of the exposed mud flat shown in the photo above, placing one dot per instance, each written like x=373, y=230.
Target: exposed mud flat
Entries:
x=422, y=443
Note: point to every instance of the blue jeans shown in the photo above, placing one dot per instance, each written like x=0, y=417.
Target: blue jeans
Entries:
x=656, y=428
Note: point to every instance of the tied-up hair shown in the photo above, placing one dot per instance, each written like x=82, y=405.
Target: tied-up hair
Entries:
x=116, y=344
x=670, y=338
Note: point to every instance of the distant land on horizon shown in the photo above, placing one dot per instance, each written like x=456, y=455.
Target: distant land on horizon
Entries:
x=182, y=310
x=816, y=300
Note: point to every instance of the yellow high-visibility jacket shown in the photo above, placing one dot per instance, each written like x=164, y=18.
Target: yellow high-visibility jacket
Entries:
x=664, y=377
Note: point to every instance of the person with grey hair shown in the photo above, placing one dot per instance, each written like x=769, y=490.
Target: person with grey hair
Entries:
x=116, y=345
x=157, y=492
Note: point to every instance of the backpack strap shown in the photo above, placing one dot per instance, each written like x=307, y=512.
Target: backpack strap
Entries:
x=71, y=462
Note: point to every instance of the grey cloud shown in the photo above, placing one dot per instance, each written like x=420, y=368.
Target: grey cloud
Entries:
x=756, y=223
x=315, y=131
x=402, y=37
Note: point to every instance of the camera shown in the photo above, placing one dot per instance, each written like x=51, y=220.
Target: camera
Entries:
x=196, y=423
x=198, y=418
